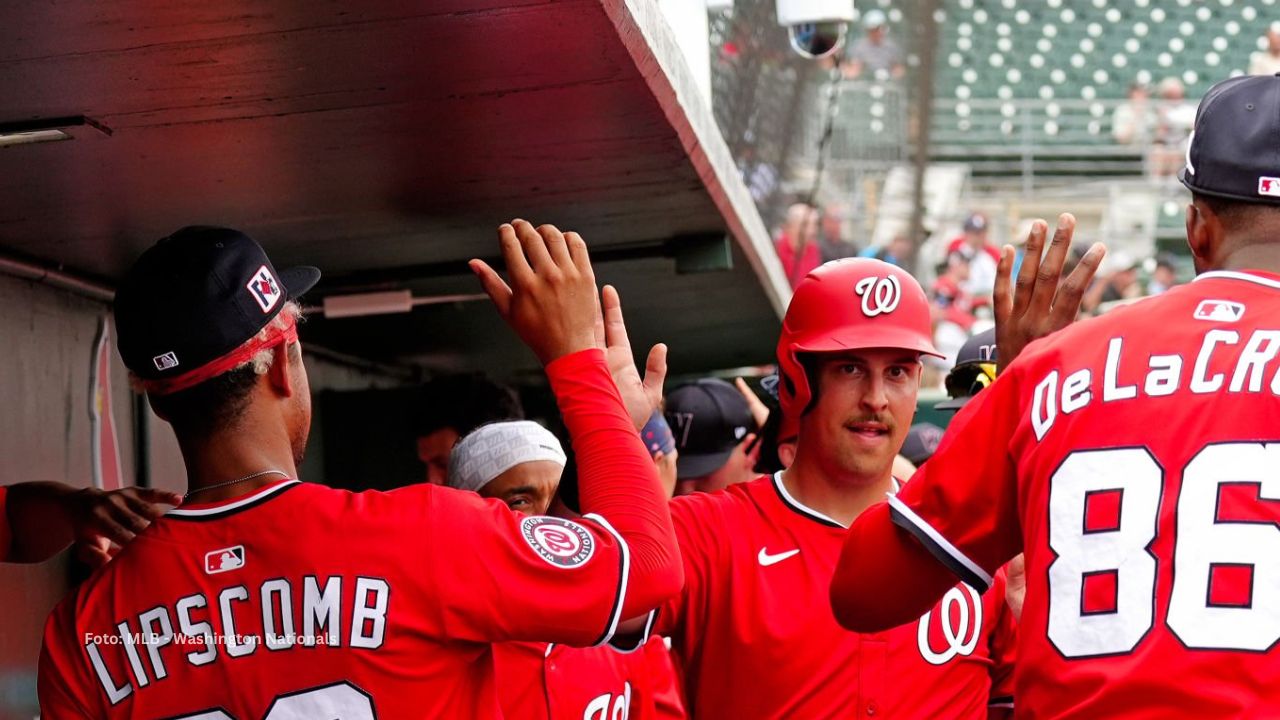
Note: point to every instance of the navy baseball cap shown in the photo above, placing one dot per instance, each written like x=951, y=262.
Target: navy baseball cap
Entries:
x=975, y=369
x=196, y=297
x=921, y=442
x=976, y=222
x=1234, y=152
x=709, y=418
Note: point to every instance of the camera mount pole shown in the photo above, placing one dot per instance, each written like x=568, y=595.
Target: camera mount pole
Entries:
x=926, y=50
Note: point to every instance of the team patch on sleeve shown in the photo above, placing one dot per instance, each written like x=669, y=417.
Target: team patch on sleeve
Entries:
x=562, y=543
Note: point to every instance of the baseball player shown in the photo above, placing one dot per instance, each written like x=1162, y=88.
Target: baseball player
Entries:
x=974, y=370
x=1132, y=458
x=715, y=434
x=451, y=406
x=264, y=597
x=40, y=519
x=520, y=462
x=753, y=627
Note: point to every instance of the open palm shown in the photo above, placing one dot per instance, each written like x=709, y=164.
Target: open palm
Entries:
x=641, y=395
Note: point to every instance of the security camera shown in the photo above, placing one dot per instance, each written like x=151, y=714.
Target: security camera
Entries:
x=817, y=28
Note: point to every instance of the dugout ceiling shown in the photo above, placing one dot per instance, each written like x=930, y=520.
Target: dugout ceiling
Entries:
x=384, y=140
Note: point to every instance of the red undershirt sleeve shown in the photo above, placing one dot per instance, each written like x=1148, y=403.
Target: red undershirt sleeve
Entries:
x=617, y=480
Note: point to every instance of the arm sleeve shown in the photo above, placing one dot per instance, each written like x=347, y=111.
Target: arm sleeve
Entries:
x=6, y=539
x=618, y=482
x=960, y=508
x=61, y=672
x=498, y=575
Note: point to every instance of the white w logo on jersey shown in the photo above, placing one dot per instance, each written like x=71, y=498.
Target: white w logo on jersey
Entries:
x=961, y=640
x=879, y=294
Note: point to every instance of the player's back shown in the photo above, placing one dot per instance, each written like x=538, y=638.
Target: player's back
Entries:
x=318, y=602
x=1147, y=453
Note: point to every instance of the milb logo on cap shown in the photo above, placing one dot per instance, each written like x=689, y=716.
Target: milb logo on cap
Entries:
x=265, y=289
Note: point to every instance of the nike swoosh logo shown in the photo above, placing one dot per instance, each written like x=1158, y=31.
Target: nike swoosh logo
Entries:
x=766, y=559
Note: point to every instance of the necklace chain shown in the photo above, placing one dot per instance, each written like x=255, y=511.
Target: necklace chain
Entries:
x=233, y=482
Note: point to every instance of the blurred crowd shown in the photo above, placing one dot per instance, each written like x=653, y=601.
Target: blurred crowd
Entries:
x=963, y=268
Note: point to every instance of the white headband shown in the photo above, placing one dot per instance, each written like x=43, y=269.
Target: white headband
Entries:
x=490, y=450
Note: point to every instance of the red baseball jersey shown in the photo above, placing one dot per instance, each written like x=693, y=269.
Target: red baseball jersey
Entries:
x=547, y=681
x=1141, y=483
x=660, y=696
x=756, y=636
x=301, y=601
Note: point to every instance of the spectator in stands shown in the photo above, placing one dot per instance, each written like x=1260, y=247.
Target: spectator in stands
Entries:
x=798, y=244
x=1117, y=280
x=715, y=436
x=1134, y=120
x=834, y=244
x=1267, y=62
x=1175, y=117
x=453, y=406
x=1163, y=276
x=761, y=177
x=983, y=256
x=951, y=301
x=895, y=253
x=876, y=54
x=517, y=461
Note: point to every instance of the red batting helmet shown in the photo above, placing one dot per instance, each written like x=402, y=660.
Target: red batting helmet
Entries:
x=849, y=304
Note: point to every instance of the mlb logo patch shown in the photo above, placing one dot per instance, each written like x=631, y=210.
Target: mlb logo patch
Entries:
x=165, y=361
x=265, y=289
x=1219, y=311
x=1269, y=186
x=224, y=560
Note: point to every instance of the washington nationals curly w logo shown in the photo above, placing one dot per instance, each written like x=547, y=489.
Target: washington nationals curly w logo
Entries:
x=879, y=294
x=959, y=617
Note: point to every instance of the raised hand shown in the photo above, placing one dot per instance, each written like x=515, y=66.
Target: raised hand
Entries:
x=1041, y=302
x=759, y=411
x=552, y=302
x=641, y=396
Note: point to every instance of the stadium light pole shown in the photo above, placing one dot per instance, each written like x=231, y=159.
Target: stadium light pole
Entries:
x=926, y=50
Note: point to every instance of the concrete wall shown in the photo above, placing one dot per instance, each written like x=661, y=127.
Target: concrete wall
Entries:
x=46, y=353
x=46, y=349
x=688, y=21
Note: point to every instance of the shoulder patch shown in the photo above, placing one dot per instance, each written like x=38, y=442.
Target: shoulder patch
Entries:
x=562, y=543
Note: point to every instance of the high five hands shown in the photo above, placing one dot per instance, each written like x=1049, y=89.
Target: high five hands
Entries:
x=1041, y=302
x=554, y=306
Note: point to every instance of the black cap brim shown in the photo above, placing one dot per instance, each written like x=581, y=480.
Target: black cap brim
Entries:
x=298, y=280
x=696, y=466
x=953, y=403
x=1183, y=176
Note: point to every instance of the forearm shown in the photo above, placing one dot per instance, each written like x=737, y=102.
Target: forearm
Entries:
x=867, y=591
x=617, y=480
x=39, y=520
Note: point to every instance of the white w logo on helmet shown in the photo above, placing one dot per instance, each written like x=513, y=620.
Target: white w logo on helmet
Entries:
x=879, y=294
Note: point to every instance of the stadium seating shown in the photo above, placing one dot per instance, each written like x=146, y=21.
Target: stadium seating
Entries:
x=1035, y=83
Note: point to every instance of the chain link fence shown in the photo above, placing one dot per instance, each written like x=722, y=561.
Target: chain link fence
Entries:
x=775, y=107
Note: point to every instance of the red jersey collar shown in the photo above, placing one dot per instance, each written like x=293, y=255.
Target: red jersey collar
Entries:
x=203, y=511
x=809, y=512
x=1260, y=277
